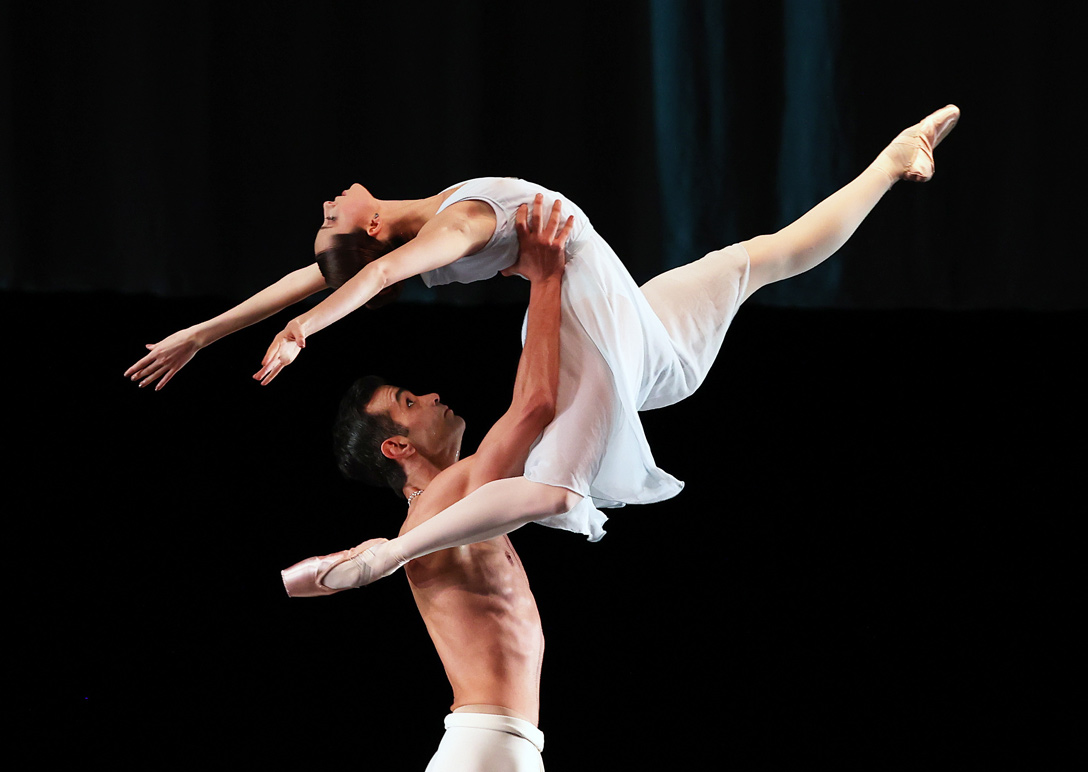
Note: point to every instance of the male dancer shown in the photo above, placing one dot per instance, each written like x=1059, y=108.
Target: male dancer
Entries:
x=659, y=342
x=475, y=599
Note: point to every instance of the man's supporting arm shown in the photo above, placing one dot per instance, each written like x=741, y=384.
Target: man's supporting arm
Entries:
x=457, y=507
x=503, y=451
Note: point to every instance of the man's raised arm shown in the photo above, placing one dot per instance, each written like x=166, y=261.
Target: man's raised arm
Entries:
x=541, y=259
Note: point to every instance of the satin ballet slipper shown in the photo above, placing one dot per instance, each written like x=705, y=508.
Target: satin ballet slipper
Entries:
x=306, y=579
x=911, y=153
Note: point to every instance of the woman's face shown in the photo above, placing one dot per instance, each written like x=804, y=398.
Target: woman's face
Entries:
x=352, y=209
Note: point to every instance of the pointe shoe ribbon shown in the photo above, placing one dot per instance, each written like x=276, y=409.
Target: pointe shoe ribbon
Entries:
x=306, y=579
x=920, y=141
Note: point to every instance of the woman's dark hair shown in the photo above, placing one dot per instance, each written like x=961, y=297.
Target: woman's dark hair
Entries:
x=358, y=437
x=347, y=255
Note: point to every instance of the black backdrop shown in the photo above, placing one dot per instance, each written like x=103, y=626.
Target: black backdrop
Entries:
x=875, y=551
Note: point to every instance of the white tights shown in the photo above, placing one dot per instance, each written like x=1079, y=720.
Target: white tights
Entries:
x=491, y=510
x=476, y=742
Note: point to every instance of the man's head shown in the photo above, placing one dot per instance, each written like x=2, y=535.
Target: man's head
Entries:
x=385, y=435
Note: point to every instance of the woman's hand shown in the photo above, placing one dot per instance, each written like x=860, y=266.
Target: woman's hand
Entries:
x=165, y=358
x=282, y=352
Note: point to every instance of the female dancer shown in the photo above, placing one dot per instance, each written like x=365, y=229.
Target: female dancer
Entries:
x=624, y=348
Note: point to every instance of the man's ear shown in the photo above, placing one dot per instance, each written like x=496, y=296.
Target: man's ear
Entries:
x=397, y=448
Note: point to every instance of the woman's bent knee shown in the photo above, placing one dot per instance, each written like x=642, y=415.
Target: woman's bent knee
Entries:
x=558, y=501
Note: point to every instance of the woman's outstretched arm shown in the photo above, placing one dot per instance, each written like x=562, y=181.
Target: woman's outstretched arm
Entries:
x=165, y=358
x=460, y=230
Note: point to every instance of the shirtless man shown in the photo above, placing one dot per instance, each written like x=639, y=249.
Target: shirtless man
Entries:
x=474, y=599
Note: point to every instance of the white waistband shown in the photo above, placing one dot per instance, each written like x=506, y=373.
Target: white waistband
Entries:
x=508, y=724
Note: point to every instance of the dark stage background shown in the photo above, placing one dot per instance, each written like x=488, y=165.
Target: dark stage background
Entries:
x=875, y=555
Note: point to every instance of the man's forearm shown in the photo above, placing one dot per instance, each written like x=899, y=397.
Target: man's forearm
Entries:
x=537, y=383
x=541, y=255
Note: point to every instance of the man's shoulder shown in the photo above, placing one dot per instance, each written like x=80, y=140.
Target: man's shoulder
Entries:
x=448, y=487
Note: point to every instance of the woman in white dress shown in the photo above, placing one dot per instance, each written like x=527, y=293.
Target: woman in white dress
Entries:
x=623, y=348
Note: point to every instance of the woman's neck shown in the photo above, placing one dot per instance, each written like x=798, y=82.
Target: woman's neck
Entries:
x=403, y=219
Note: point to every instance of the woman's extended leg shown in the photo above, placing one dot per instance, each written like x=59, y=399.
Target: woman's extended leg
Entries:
x=491, y=510
x=697, y=302
x=821, y=231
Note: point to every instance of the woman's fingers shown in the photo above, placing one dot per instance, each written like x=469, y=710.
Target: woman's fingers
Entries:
x=268, y=360
x=134, y=370
x=280, y=354
x=151, y=374
x=264, y=372
x=166, y=378
x=271, y=372
x=269, y=355
x=143, y=369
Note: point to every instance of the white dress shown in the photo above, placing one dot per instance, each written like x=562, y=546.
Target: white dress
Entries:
x=616, y=355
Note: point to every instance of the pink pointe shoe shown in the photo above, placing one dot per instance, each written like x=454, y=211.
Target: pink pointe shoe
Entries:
x=911, y=153
x=306, y=579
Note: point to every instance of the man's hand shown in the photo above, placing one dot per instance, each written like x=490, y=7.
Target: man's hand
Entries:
x=541, y=247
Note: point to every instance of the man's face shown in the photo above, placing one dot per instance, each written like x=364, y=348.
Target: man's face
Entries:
x=433, y=429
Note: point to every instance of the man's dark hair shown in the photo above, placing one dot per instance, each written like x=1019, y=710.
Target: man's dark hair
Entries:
x=358, y=437
x=348, y=254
